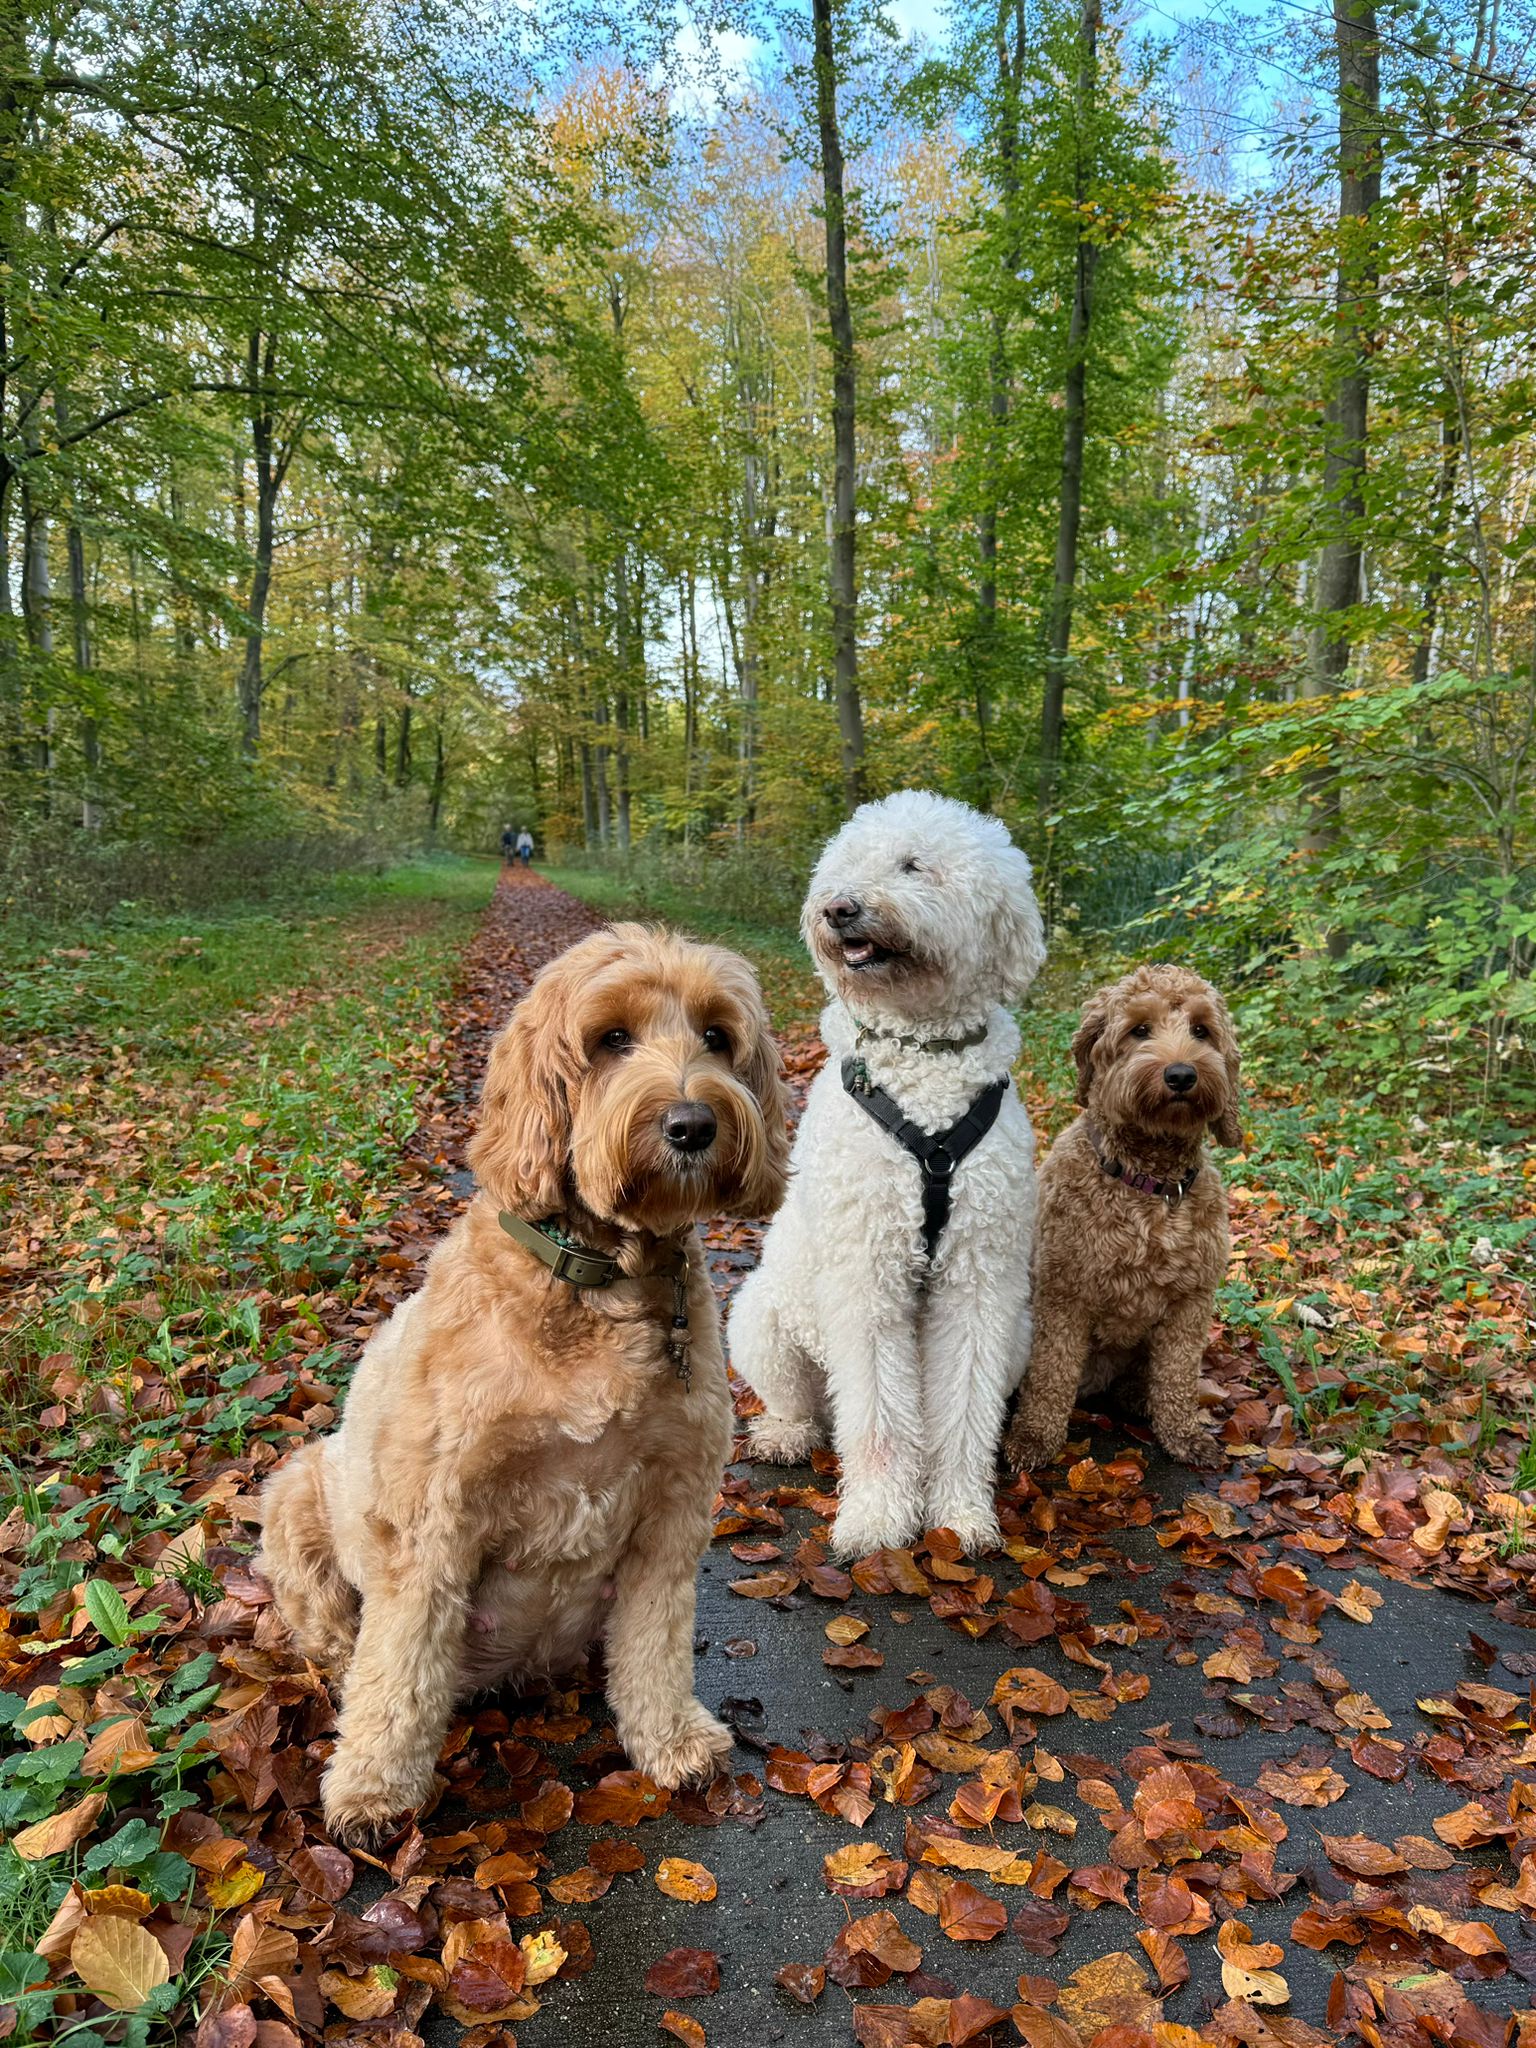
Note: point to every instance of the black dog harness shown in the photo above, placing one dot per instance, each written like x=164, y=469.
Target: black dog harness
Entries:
x=937, y=1155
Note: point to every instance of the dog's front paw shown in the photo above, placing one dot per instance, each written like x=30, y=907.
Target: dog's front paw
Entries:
x=692, y=1750
x=364, y=1800
x=976, y=1526
x=858, y=1528
x=1195, y=1447
x=1027, y=1452
x=780, y=1442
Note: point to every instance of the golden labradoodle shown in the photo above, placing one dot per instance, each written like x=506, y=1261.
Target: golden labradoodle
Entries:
x=1132, y=1237
x=533, y=1443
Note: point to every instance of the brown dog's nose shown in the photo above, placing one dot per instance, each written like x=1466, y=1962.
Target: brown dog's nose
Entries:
x=1180, y=1078
x=843, y=910
x=689, y=1126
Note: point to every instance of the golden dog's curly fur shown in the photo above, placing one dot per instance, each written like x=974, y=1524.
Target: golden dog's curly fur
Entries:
x=520, y=1469
x=1125, y=1282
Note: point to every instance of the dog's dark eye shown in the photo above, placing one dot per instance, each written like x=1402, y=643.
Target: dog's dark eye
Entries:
x=1198, y=1031
x=716, y=1040
x=617, y=1040
x=911, y=867
x=1141, y=1031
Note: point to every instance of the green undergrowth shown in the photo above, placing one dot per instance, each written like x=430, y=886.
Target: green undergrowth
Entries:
x=201, y=1128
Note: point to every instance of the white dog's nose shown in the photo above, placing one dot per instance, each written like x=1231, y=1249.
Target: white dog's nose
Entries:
x=843, y=910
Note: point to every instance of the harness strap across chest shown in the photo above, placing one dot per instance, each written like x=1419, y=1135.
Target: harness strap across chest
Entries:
x=937, y=1153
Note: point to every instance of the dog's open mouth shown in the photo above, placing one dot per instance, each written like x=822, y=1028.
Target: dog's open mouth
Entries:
x=860, y=953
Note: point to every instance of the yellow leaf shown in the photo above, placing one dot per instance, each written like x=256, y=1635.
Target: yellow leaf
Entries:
x=544, y=1955
x=845, y=1629
x=1255, y=1987
x=119, y=1960
x=236, y=1887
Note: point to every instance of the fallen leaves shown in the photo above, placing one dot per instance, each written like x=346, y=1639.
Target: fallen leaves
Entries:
x=60, y=1831
x=966, y=1914
x=680, y=1879
x=684, y=1973
x=119, y=1960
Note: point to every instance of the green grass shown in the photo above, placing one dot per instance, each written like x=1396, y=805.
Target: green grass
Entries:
x=144, y=978
x=201, y=1128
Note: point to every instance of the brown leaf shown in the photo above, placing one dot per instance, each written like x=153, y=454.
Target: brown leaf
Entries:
x=323, y=1871
x=880, y=1934
x=119, y=1960
x=1024, y=1690
x=579, y=1887
x=369, y=1997
x=485, y=1983
x=60, y=1831
x=966, y=1914
x=621, y=1799
x=1362, y=1856
x=863, y=1870
x=684, y=2027
x=766, y=1585
x=550, y=1807
x=1166, y=1957
x=1110, y=1992
x=854, y=1657
x=1298, y=1784
x=845, y=1628
x=680, y=1879
x=804, y=1982
x=684, y=1973
x=1042, y=2029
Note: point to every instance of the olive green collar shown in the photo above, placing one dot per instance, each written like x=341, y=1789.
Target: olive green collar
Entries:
x=579, y=1266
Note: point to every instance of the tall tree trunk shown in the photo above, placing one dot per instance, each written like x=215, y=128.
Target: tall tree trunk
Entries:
x=439, y=783
x=840, y=575
x=1010, y=78
x=1058, y=638
x=1440, y=530
x=80, y=637
x=621, y=705
x=262, y=438
x=1339, y=561
x=403, y=747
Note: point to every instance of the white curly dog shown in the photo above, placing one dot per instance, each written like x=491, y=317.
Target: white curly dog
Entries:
x=923, y=924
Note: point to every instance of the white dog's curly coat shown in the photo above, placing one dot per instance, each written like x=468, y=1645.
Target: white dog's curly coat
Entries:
x=923, y=923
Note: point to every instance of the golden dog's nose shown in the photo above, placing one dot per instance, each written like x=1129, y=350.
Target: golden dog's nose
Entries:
x=689, y=1126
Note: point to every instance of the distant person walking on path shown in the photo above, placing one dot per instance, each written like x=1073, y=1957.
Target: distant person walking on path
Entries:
x=525, y=846
x=507, y=844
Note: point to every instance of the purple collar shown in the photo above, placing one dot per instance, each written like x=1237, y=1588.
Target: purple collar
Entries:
x=1170, y=1191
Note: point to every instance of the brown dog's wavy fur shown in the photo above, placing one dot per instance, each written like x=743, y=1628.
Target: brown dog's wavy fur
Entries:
x=519, y=1469
x=1125, y=1282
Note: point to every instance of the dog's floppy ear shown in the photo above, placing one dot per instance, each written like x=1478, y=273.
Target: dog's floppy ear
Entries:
x=1091, y=1027
x=1018, y=937
x=1227, y=1126
x=764, y=1075
x=766, y=1161
x=521, y=1150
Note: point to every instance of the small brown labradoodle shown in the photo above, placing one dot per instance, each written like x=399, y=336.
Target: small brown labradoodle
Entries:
x=1132, y=1237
